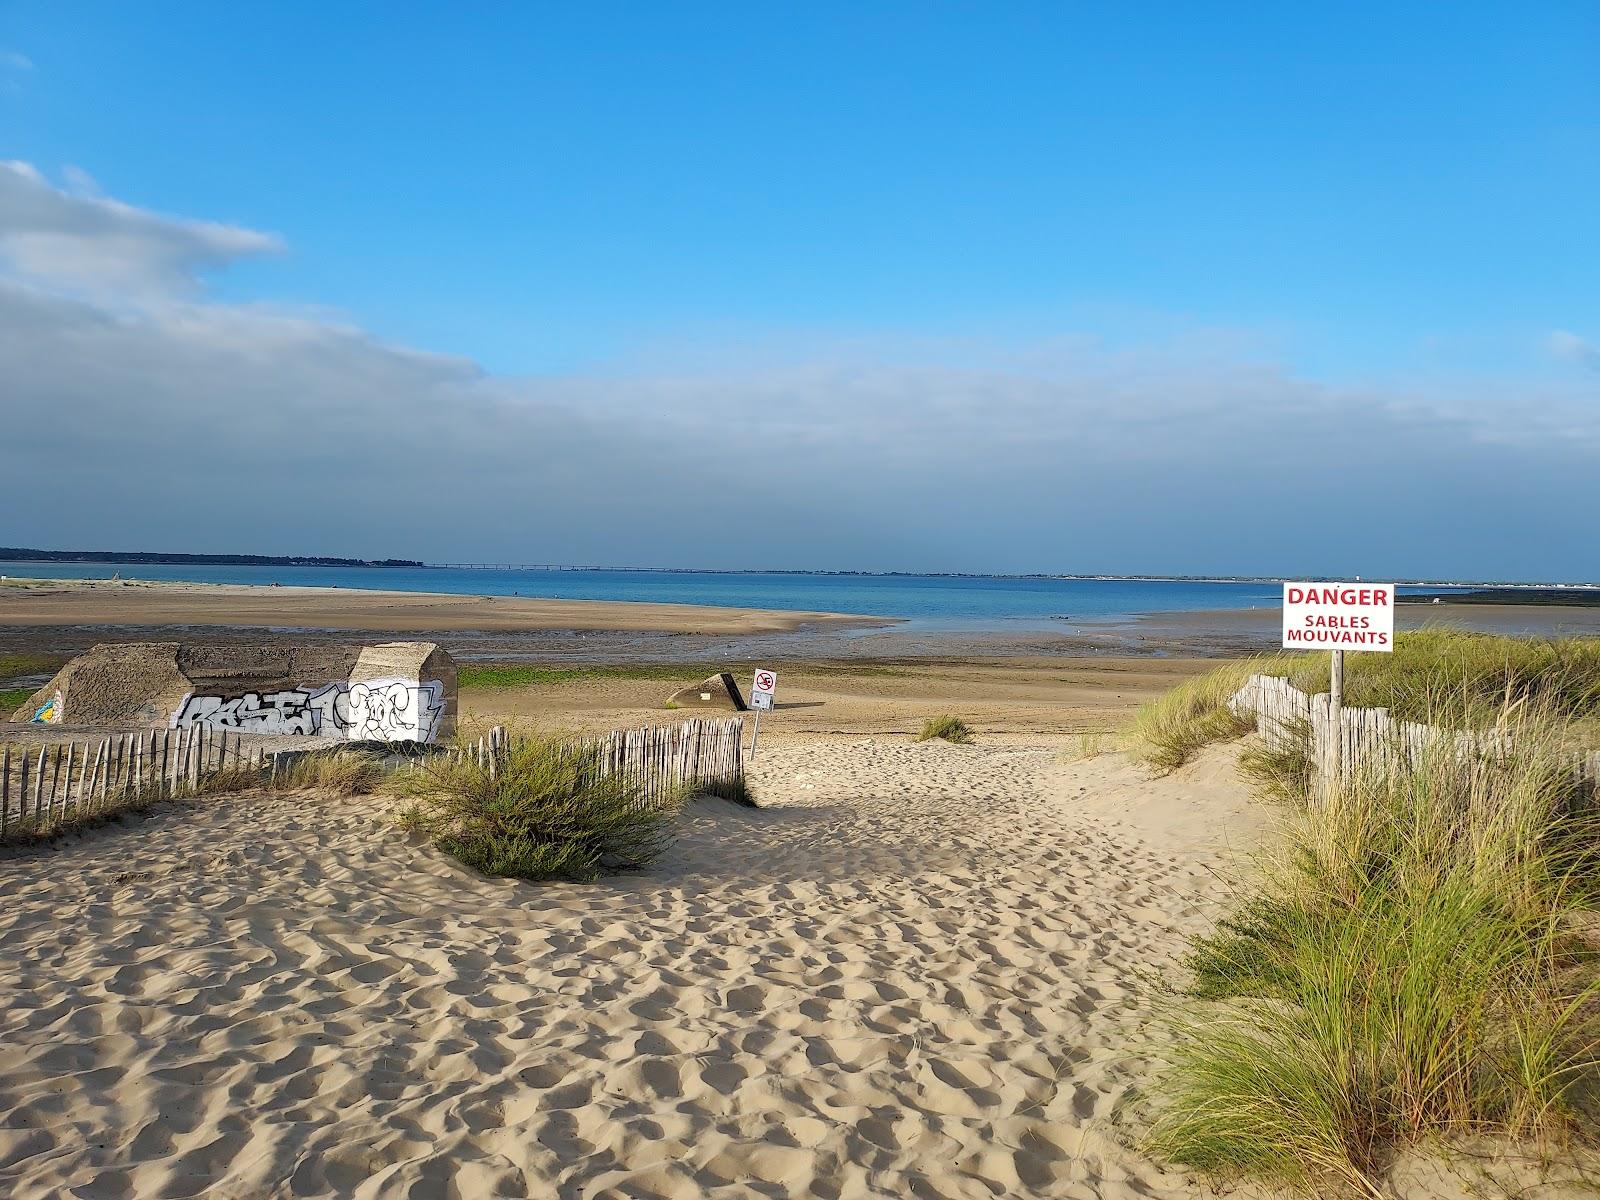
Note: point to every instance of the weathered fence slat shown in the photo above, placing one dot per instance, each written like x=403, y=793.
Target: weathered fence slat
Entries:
x=661, y=758
x=1370, y=739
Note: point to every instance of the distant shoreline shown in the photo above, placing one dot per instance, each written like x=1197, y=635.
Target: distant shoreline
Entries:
x=146, y=558
x=1465, y=591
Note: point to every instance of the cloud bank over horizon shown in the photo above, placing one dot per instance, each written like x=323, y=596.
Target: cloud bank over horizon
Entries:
x=143, y=412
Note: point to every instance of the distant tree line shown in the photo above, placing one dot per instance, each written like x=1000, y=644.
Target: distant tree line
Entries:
x=23, y=554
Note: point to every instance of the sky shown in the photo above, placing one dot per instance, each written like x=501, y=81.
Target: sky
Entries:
x=1013, y=287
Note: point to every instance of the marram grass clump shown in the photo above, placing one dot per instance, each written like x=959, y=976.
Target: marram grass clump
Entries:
x=546, y=809
x=1410, y=971
x=1172, y=729
x=946, y=728
x=343, y=772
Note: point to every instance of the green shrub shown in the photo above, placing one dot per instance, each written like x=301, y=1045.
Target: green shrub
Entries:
x=1410, y=970
x=546, y=810
x=948, y=728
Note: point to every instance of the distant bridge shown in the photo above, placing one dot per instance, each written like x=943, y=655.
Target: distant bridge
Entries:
x=512, y=567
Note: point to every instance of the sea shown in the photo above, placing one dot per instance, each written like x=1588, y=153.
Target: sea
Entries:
x=928, y=603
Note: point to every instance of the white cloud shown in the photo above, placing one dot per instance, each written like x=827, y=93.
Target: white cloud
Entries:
x=14, y=61
x=138, y=414
x=82, y=240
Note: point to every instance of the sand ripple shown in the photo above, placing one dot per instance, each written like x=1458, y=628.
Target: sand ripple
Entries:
x=915, y=975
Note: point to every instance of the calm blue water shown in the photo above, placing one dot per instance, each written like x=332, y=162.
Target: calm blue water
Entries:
x=927, y=601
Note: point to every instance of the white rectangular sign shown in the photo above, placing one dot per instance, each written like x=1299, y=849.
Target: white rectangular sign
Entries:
x=762, y=689
x=1338, y=616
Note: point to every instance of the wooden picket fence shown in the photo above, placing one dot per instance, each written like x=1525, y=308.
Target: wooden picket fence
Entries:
x=1369, y=740
x=665, y=758
x=61, y=783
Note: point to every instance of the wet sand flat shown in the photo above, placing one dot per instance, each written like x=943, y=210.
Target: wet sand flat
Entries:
x=184, y=605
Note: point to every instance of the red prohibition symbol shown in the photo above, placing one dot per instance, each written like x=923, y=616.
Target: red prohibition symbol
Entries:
x=764, y=682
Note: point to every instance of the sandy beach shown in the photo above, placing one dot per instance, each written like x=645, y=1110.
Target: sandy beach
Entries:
x=1034, y=696
x=923, y=970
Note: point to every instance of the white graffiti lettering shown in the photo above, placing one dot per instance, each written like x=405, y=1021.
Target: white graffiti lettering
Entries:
x=377, y=710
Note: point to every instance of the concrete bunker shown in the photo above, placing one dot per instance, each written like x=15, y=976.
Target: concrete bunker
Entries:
x=390, y=691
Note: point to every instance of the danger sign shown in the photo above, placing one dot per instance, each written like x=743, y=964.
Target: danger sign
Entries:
x=762, y=688
x=1338, y=616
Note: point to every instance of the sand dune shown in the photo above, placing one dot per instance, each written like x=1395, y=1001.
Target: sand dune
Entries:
x=919, y=973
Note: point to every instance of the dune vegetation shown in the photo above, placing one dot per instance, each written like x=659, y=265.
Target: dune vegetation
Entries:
x=1438, y=676
x=1417, y=962
x=544, y=809
x=343, y=772
x=946, y=728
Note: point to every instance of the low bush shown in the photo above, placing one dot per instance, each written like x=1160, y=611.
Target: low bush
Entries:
x=946, y=728
x=546, y=809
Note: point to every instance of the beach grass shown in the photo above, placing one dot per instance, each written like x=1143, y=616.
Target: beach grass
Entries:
x=946, y=728
x=1436, y=676
x=345, y=772
x=1409, y=969
x=1092, y=743
x=545, y=809
x=1172, y=728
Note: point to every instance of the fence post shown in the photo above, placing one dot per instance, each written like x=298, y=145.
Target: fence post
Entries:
x=66, y=792
x=38, y=786
x=1336, y=712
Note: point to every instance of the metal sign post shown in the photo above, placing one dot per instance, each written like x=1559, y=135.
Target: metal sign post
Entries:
x=762, y=689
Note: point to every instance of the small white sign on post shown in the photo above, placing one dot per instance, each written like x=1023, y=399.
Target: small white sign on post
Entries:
x=762, y=688
x=1338, y=616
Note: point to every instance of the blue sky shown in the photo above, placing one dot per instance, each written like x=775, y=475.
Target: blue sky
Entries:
x=825, y=223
